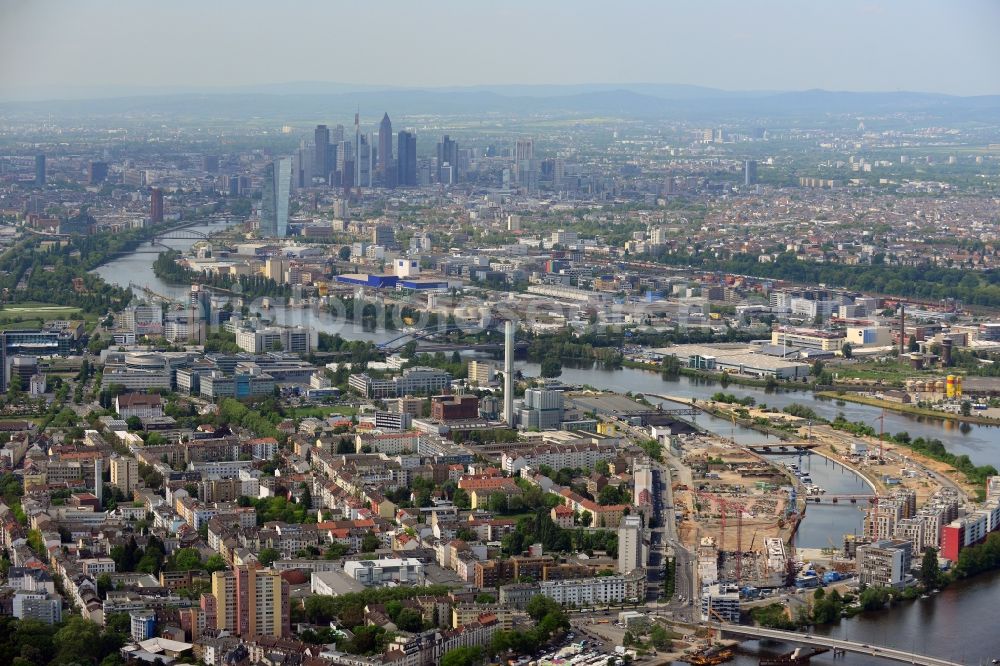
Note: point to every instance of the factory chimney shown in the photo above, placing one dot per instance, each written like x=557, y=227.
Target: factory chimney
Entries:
x=508, y=372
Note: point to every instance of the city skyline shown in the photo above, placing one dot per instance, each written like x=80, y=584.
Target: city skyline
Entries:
x=921, y=46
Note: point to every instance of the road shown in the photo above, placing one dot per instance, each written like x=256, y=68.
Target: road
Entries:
x=663, y=539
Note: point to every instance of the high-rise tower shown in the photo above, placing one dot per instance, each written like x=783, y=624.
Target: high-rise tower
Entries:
x=406, y=158
x=447, y=153
x=385, y=171
x=156, y=206
x=508, y=372
x=274, y=199
x=40, y=170
x=321, y=165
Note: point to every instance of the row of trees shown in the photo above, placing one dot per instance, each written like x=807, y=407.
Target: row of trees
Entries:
x=924, y=282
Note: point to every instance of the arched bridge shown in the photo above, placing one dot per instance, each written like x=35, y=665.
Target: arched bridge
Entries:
x=827, y=641
x=157, y=244
x=400, y=341
x=178, y=234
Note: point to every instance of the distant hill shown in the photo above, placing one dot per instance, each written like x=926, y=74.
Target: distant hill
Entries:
x=290, y=102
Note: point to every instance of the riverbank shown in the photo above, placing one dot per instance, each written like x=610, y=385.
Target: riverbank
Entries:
x=722, y=377
x=908, y=409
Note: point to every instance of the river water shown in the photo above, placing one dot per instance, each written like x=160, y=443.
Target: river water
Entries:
x=959, y=624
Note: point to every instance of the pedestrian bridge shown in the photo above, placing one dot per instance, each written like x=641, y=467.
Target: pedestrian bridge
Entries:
x=826, y=641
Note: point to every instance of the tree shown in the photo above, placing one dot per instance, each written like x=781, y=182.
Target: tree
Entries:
x=410, y=620
x=551, y=368
x=966, y=408
x=463, y=656
x=215, y=563
x=847, y=350
x=540, y=605
x=370, y=543
x=912, y=345
x=930, y=572
x=817, y=368
x=344, y=253
x=78, y=641
x=609, y=495
x=267, y=556
x=659, y=637
x=185, y=559
x=497, y=502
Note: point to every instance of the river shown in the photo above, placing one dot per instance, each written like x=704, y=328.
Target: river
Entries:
x=957, y=624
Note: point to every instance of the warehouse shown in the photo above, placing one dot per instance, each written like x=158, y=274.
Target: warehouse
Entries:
x=368, y=280
x=760, y=365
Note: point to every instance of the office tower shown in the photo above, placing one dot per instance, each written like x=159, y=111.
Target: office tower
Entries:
x=750, y=172
x=524, y=149
x=358, y=148
x=274, y=199
x=200, y=300
x=302, y=168
x=385, y=170
x=320, y=164
x=363, y=162
x=447, y=153
x=156, y=206
x=508, y=373
x=406, y=159
x=344, y=153
x=97, y=172
x=40, y=170
x=383, y=235
x=630, y=544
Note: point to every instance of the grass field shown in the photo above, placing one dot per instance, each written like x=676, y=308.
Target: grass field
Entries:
x=32, y=314
x=895, y=372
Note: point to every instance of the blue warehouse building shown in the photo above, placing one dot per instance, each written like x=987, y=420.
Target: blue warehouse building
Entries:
x=423, y=285
x=369, y=280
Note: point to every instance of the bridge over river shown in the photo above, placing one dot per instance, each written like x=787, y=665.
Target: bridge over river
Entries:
x=826, y=641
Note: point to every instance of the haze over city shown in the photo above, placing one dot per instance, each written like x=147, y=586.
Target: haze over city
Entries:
x=71, y=49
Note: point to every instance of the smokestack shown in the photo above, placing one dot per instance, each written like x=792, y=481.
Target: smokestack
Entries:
x=508, y=372
x=902, y=329
x=99, y=482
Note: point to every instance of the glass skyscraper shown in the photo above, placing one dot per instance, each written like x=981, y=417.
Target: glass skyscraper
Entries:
x=274, y=200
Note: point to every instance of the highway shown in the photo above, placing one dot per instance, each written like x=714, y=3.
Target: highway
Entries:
x=825, y=641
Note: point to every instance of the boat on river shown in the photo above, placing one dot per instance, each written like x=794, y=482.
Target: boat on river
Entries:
x=796, y=657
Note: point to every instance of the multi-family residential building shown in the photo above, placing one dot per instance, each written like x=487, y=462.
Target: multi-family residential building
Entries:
x=582, y=592
x=124, y=473
x=884, y=563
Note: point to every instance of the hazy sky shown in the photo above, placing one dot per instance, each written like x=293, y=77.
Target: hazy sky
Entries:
x=60, y=46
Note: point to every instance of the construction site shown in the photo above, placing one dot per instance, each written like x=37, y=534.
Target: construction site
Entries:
x=737, y=505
